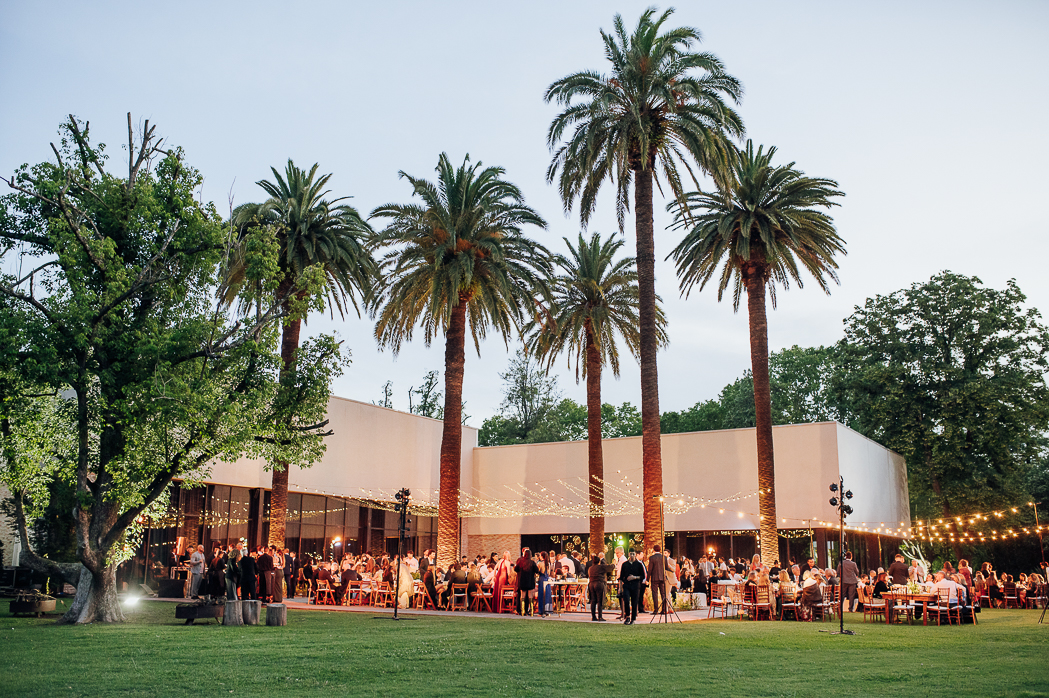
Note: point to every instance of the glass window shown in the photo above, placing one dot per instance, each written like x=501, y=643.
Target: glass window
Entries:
x=239, y=512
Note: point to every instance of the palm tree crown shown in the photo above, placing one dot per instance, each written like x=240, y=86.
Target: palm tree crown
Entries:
x=767, y=226
x=312, y=230
x=462, y=244
x=593, y=295
x=661, y=103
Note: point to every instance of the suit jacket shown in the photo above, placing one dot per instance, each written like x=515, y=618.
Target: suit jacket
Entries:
x=898, y=572
x=598, y=574
x=265, y=563
x=849, y=572
x=248, y=569
x=632, y=569
x=657, y=566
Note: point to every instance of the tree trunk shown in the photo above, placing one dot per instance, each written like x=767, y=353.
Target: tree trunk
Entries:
x=96, y=599
x=595, y=455
x=289, y=345
x=768, y=538
x=651, y=454
x=452, y=437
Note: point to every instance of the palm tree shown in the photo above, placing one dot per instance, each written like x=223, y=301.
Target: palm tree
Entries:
x=662, y=105
x=758, y=233
x=593, y=299
x=312, y=233
x=458, y=261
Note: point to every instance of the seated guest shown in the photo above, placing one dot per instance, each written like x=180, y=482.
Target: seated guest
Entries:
x=881, y=586
x=429, y=582
x=347, y=575
x=473, y=579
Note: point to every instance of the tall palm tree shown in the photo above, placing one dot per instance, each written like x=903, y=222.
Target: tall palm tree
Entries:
x=458, y=262
x=760, y=233
x=661, y=106
x=312, y=231
x=594, y=298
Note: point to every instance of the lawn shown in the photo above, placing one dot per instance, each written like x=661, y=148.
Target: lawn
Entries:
x=339, y=654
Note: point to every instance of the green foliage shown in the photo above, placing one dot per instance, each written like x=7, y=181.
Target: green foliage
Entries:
x=117, y=372
x=764, y=225
x=463, y=244
x=429, y=397
x=951, y=374
x=661, y=105
x=703, y=416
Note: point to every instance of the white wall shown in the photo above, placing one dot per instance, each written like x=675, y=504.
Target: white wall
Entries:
x=878, y=480
x=712, y=464
x=373, y=450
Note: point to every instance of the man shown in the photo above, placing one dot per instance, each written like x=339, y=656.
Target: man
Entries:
x=632, y=574
x=248, y=577
x=657, y=577
x=809, y=565
x=849, y=572
x=597, y=574
x=795, y=574
x=955, y=590
x=290, y=572
x=411, y=562
x=265, y=565
x=424, y=563
x=898, y=570
x=619, y=560
x=196, y=570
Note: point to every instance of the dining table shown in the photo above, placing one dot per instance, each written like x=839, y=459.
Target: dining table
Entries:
x=893, y=597
x=560, y=592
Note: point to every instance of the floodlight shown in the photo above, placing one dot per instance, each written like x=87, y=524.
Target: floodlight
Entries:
x=834, y=487
x=834, y=501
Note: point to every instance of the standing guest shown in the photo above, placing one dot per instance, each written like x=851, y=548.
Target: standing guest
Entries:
x=411, y=562
x=526, y=572
x=291, y=572
x=196, y=570
x=966, y=572
x=545, y=600
x=308, y=574
x=898, y=570
x=633, y=574
x=657, y=576
x=619, y=559
x=429, y=582
x=232, y=575
x=217, y=573
x=503, y=574
x=277, y=577
x=265, y=564
x=849, y=572
x=424, y=563
x=597, y=575
x=248, y=581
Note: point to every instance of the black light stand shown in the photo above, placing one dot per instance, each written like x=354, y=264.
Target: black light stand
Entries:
x=404, y=497
x=664, y=614
x=843, y=511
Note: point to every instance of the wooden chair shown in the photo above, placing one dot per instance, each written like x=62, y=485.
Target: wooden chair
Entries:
x=943, y=607
x=382, y=595
x=721, y=598
x=576, y=597
x=872, y=607
x=353, y=594
x=458, y=600
x=325, y=594
x=831, y=598
x=763, y=604
x=1012, y=599
x=483, y=598
x=788, y=601
x=1037, y=596
x=506, y=599
x=746, y=601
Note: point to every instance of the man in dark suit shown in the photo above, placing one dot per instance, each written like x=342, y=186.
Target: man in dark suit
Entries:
x=248, y=582
x=849, y=574
x=290, y=572
x=898, y=570
x=657, y=577
x=265, y=565
x=632, y=573
x=597, y=574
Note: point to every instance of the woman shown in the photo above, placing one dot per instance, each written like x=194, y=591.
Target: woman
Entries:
x=232, y=575
x=217, y=573
x=881, y=586
x=526, y=571
x=430, y=583
x=994, y=589
x=405, y=584
x=811, y=593
x=502, y=578
x=544, y=587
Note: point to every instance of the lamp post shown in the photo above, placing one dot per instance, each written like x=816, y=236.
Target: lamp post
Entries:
x=403, y=496
x=838, y=488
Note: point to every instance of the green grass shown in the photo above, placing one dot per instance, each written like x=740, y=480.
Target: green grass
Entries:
x=340, y=654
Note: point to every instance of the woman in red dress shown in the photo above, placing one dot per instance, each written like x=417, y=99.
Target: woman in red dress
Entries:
x=504, y=577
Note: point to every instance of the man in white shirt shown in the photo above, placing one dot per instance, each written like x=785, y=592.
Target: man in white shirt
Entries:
x=196, y=570
x=411, y=562
x=943, y=583
x=620, y=558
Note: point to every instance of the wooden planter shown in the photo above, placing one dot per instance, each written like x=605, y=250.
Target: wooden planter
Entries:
x=32, y=606
x=192, y=612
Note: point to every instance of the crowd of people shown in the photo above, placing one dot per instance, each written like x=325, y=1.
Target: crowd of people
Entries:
x=655, y=579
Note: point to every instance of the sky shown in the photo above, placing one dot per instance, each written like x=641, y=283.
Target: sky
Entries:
x=931, y=116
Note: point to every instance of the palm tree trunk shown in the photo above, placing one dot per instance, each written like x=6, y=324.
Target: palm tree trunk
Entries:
x=452, y=438
x=651, y=454
x=768, y=538
x=595, y=456
x=289, y=345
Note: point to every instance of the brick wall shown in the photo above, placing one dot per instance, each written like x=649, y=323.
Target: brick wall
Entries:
x=483, y=545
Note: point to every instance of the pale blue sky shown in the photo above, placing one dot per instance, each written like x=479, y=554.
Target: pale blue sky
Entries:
x=930, y=115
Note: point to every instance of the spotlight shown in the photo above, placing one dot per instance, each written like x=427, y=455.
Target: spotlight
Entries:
x=834, y=487
x=834, y=501
x=848, y=494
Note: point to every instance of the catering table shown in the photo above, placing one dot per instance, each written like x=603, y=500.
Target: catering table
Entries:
x=560, y=591
x=891, y=597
